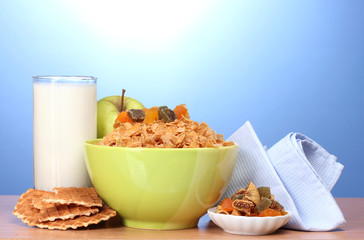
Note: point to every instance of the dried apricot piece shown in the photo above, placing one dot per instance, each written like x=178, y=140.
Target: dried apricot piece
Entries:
x=151, y=115
x=123, y=117
x=227, y=205
x=181, y=110
x=269, y=213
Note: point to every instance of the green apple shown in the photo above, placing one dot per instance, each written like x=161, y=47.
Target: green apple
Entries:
x=108, y=109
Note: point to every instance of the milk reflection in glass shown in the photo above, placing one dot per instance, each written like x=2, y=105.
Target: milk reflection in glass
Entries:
x=64, y=118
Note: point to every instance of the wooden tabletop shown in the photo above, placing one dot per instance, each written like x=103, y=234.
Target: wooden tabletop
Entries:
x=12, y=227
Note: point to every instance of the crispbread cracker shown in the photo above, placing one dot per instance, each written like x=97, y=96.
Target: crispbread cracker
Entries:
x=53, y=211
x=29, y=214
x=82, y=196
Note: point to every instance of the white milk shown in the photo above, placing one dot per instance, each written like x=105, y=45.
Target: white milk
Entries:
x=64, y=118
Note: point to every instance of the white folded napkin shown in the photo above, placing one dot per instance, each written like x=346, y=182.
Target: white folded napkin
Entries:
x=300, y=173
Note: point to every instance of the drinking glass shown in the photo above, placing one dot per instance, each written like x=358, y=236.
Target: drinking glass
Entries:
x=64, y=117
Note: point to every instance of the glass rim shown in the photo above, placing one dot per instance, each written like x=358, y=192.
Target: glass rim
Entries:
x=64, y=78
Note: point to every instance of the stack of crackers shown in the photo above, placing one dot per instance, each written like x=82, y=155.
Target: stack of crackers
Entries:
x=62, y=209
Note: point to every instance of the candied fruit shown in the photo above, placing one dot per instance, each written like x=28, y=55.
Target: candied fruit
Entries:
x=123, y=117
x=263, y=204
x=181, y=110
x=252, y=201
x=269, y=213
x=151, y=115
x=227, y=205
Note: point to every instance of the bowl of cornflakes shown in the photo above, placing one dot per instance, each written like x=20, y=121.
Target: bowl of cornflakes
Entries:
x=162, y=174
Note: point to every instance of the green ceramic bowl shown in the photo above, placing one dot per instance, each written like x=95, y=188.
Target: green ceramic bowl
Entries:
x=155, y=188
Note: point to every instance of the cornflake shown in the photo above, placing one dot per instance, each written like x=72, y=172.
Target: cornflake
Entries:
x=181, y=133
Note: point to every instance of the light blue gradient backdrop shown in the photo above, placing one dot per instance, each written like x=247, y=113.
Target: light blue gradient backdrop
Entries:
x=284, y=65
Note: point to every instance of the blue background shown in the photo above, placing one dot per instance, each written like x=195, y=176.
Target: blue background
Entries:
x=284, y=65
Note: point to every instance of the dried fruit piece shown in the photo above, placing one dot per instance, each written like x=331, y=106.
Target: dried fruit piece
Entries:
x=219, y=210
x=253, y=201
x=237, y=213
x=227, y=205
x=252, y=193
x=237, y=196
x=244, y=206
x=123, y=117
x=264, y=192
x=163, y=107
x=239, y=192
x=136, y=115
x=269, y=213
x=264, y=204
x=166, y=114
x=253, y=214
x=275, y=205
x=181, y=110
x=151, y=115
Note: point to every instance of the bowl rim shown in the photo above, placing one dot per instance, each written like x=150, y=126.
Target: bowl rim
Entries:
x=212, y=211
x=92, y=142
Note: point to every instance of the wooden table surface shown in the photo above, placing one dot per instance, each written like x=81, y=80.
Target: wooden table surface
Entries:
x=12, y=227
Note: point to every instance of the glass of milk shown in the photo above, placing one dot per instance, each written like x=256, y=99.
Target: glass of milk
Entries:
x=64, y=117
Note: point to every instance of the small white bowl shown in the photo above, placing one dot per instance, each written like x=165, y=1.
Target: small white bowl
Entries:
x=248, y=225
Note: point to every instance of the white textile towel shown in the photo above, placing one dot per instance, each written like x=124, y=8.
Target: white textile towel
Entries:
x=299, y=172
